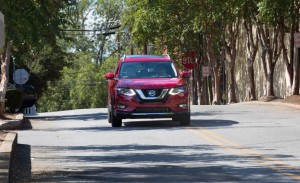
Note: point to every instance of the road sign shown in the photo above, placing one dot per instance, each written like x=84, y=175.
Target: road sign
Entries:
x=21, y=76
x=205, y=71
x=189, y=60
x=297, y=39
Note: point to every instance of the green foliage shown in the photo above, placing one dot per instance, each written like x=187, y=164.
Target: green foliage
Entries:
x=14, y=99
x=81, y=86
x=272, y=11
x=34, y=27
x=162, y=23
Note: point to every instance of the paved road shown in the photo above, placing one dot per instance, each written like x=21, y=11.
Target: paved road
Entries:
x=234, y=143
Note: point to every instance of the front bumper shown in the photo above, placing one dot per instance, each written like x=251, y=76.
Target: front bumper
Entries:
x=139, y=115
x=167, y=107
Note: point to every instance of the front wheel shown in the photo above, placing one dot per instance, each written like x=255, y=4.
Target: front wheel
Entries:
x=115, y=121
x=185, y=119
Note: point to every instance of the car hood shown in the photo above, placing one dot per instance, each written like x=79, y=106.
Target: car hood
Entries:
x=151, y=83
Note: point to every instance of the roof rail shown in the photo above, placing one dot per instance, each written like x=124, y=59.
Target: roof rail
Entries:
x=123, y=58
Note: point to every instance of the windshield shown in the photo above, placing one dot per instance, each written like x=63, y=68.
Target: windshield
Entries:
x=148, y=70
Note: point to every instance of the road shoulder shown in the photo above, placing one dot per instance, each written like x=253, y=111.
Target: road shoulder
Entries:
x=7, y=148
x=8, y=143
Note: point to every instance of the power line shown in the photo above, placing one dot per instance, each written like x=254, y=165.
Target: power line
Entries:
x=91, y=30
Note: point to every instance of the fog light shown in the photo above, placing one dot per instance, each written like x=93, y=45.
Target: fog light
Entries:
x=182, y=105
x=121, y=106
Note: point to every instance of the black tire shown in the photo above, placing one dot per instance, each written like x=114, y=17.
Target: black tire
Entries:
x=109, y=115
x=185, y=119
x=115, y=121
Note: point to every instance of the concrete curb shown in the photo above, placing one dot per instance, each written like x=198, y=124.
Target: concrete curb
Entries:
x=12, y=124
x=7, y=150
x=8, y=145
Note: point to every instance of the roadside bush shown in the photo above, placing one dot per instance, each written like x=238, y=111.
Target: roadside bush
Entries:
x=14, y=100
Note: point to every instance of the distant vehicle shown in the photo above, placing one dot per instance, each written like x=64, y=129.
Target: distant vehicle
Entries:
x=147, y=86
x=29, y=95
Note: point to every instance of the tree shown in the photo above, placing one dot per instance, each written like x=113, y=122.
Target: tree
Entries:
x=209, y=20
x=108, y=14
x=31, y=25
x=232, y=22
x=5, y=61
x=249, y=16
x=291, y=26
x=162, y=24
x=270, y=27
x=82, y=86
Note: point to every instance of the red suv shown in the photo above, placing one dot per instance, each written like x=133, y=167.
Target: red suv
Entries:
x=147, y=86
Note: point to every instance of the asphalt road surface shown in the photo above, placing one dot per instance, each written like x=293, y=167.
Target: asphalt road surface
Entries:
x=232, y=143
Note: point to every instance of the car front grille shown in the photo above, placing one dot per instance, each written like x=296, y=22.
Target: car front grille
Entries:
x=160, y=96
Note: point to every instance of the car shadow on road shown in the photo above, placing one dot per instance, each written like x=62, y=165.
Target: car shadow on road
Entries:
x=83, y=117
x=169, y=123
x=128, y=124
x=161, y=123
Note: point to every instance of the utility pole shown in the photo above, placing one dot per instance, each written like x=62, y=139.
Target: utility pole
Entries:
x=119, y=44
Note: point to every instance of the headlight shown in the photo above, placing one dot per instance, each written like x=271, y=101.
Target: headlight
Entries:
x=126, y=91
x=175, y=91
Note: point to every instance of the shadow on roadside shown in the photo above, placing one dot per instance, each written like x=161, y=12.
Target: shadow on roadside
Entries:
x=212, y=123
x=21, y=169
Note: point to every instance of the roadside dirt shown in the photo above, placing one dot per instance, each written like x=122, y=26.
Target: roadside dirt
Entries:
x=294, y=99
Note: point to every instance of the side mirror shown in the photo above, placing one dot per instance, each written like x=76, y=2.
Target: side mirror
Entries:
x=186, y=74
x=109, y=75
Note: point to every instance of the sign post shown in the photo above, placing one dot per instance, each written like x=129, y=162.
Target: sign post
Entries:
x=205, y=71
x=297, y=39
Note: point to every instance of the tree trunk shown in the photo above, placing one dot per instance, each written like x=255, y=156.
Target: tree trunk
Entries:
x=288, y=59
x=201, y=87
x=197, y=85
x=203, y=91
x=217, y=84
x=4, y=77
x=296, y=72
x=210, y=89
x=231, y=91
x=231, y=49
x=295, y=87
x=271, y=47
x=251, y=80
x=252, y=47
x=195, y=90
x=145, y=51
x=270, y=79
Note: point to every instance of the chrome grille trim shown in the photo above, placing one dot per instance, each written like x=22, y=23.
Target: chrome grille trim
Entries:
x=161, y=96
